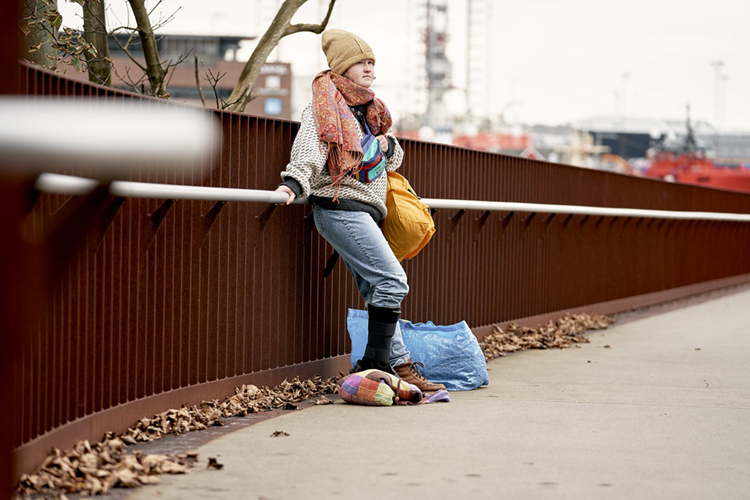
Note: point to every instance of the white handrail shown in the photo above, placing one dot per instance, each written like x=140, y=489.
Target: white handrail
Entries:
x=581, y=210
x=65, y=184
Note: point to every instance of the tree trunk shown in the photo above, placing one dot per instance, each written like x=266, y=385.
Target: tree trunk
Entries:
x=279, y=28
x=40, y=36
x=95, y=33
x=154, y=71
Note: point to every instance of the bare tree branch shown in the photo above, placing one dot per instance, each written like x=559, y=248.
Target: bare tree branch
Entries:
x=127, y=52
x=154, y=69
x=170, y=65
x=132, y=36
x=198, y=82
x=150, y=13
x=136, y=86
x=279, y=28
x=162, y=21
x=213, y=80
x=123, y=28
x=313, y=28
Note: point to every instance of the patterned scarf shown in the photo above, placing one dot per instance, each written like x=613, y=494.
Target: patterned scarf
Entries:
x=336, y=125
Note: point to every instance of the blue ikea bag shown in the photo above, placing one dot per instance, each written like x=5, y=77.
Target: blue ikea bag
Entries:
x=450, y=353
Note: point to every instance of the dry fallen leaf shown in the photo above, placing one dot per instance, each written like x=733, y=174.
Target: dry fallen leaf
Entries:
x=322, y=400
x=188, y=458
x=279, y=433
x=562, y=333
x=213, y=463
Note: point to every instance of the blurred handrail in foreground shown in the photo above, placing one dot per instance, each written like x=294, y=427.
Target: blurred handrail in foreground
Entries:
x=102, y=135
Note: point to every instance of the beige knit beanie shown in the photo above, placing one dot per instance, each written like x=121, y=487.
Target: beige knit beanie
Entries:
x=343, y=49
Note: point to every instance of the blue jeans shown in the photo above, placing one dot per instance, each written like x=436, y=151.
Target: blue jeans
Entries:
x=377, y=272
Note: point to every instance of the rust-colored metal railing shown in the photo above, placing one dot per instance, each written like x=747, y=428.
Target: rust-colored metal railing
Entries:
x=15, y=287
x=168, y=302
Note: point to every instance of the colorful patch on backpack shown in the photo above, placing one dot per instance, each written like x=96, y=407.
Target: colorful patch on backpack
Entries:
x=373, y=161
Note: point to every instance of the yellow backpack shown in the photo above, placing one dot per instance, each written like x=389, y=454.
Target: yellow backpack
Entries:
x=408, y=226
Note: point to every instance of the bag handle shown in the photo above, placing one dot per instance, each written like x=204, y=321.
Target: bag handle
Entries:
x=332, y=260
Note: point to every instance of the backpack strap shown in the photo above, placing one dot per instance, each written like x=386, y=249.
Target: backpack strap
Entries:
x=331, y=264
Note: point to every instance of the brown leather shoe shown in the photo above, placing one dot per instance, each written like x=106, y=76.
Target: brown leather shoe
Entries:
x=409, y=372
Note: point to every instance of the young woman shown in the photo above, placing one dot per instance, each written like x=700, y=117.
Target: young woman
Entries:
x=339, y=161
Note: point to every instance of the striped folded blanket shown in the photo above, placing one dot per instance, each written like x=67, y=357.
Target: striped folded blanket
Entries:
x=378, y=388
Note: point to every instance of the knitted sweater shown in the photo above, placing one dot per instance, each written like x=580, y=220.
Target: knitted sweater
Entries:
x=308, y=176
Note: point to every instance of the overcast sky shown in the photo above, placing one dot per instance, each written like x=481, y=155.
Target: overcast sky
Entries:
x=547, y=61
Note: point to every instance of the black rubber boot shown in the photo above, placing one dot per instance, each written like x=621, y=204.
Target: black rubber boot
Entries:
x=380, y=329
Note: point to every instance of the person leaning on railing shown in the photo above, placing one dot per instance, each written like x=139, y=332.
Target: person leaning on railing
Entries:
x=339, y=161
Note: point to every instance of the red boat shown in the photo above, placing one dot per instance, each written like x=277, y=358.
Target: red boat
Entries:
x=688, y=163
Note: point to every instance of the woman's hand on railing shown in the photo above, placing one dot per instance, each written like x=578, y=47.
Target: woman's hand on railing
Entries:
x=285, y=189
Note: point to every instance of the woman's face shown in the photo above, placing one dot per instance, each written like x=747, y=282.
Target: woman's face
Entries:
x=361, y=73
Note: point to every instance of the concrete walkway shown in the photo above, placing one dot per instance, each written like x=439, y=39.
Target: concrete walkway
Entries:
x=664, y=413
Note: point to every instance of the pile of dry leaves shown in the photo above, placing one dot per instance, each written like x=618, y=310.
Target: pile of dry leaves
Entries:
x=247, y=399
x=561, y=333
x=95, y=469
